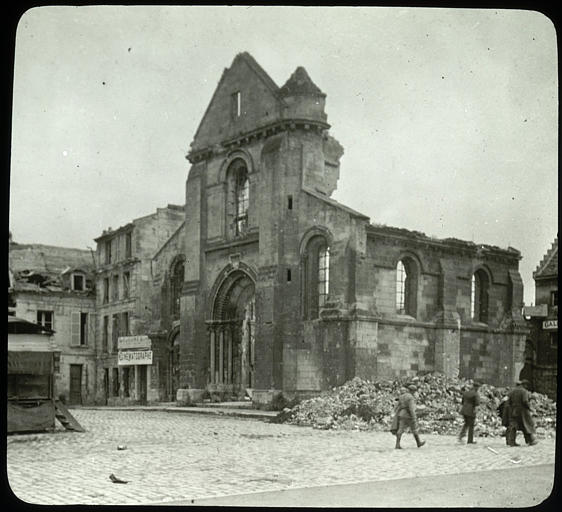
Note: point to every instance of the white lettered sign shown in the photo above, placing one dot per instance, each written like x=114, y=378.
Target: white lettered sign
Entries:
x=550, y=325
x=132, y=357
x=138, y=342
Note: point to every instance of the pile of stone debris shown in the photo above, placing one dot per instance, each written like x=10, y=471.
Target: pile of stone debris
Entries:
x=364, y=405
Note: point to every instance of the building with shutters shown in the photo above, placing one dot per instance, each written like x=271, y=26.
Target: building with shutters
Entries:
x=130, y=370
x=53, y=287
x=541, y=351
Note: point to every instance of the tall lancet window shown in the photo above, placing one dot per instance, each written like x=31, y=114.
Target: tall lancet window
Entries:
x=323, y=274
x=315, y=277
x=406, y=287
x=242, y=200
x=479, y=296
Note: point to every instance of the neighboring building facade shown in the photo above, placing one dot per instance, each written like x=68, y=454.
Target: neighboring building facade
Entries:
x=31, y=371
x=541, y=365
x=53, y=287
x=124, y=283
x=287, y=290
x=168, y=267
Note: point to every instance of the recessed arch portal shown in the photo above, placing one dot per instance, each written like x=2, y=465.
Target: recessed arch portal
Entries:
x=232, y=333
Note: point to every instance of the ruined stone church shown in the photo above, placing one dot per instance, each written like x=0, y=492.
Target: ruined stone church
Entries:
x=283, y=289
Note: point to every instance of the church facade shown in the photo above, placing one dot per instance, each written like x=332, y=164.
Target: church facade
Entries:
x=285, y=290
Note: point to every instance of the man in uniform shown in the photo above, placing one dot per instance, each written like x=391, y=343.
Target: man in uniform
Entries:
x=520, y=415
x=406, y=411
x=470, y=401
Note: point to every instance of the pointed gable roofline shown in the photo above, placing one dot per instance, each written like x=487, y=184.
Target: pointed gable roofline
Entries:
x=258, y=70
x=548, y=267
x=267, y=80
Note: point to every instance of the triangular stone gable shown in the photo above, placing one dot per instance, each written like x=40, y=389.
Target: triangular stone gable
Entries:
x=548, y=267
x=260, y=103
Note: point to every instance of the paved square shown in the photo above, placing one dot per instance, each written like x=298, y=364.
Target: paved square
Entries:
x=173, y=456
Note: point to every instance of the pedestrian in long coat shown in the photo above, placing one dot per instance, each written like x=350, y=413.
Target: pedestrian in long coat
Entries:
x=470, y=401
x=406, y=410
x=520, y=415
x=504, y=413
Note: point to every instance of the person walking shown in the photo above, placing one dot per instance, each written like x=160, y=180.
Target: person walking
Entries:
x=406, y=410
x=470, y=401
x=520, y=415
x=504, y=413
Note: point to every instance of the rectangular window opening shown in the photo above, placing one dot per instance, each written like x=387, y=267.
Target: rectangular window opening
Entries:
x=128, y=245
x=106, y=290
x=288, y=275
x=126, y=281
x=78, y=282
x=83, y=328
x=290, y=203
x=114, y=333
x=125, y=324
x=108, y=258
x=236, y=104
x=115, y=288
x=105, y=335
x=45, y=318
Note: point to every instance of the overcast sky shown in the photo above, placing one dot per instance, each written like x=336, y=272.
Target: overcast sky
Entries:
x=448, y=117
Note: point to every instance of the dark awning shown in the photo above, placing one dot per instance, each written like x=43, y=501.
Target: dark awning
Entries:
x=20, y=326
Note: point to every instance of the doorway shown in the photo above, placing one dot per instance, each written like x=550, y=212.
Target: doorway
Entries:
x=142, y=383
x=105, y=385
x=75, y=390
x=173, y=367
x=232, y=334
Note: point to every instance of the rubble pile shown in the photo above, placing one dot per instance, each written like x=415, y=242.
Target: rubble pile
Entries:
x=365, y=405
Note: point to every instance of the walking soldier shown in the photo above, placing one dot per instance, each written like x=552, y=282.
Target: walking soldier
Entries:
x=406, y=411
x=520, y=415
x=470, y=401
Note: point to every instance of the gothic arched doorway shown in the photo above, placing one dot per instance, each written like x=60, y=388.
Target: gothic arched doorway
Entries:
x=173, y=366
x=231, y=334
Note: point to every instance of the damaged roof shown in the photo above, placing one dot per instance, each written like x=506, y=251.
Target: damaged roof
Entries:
x=45, y=267
x=383, y=229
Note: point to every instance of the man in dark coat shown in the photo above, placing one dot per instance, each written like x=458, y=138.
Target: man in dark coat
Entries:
x=520, y=415
x=504, y=413
x=406, y=411
x=470, y=401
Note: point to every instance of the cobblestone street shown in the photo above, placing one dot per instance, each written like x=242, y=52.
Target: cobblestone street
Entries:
x=180, y=456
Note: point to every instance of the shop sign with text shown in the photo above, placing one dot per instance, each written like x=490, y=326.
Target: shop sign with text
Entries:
x=550, y=325
x=132, y=357
x=138, y=342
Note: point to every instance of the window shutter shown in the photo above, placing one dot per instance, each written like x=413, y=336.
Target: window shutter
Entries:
x=75, y=327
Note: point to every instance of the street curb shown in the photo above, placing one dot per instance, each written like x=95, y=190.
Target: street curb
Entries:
x=248, y=414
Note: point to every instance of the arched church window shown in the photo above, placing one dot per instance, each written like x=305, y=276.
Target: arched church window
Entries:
x=479, y=296
x=406, y=287
x=242, y=200
x=316, y=266
x=238, y=197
